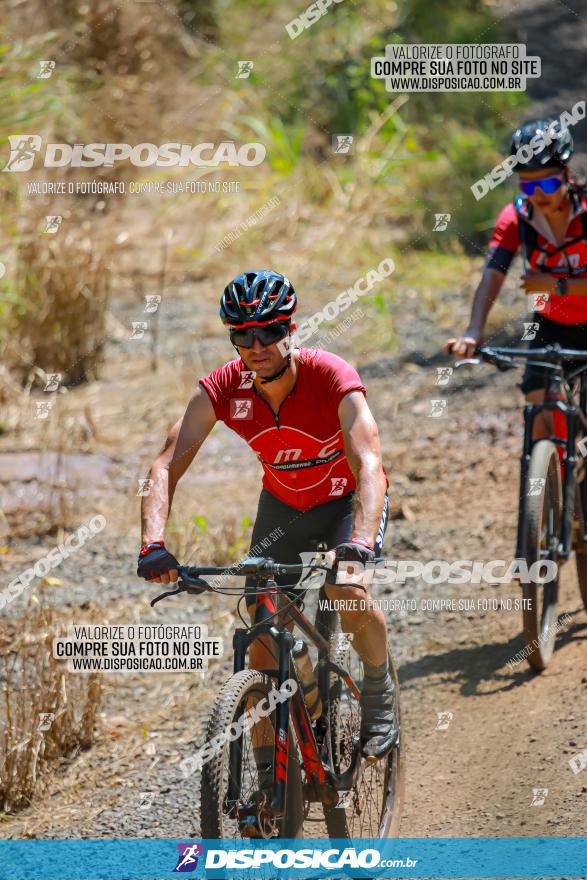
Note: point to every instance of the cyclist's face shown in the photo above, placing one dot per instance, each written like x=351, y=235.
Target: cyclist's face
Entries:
x=547, y=203
x=265, y=360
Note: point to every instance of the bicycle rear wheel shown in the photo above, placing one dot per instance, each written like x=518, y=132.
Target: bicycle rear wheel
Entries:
x=540, y=536
x=228, y=785
x=372, y=807
x=580, y=547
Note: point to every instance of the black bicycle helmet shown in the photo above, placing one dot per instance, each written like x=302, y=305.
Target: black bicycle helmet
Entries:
x=257, y=297
x=554, y=154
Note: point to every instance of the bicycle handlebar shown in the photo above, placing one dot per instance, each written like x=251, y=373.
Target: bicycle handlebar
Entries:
x=190, y=580
x=551, y=357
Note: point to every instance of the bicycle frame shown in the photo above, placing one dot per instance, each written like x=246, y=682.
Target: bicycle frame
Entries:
x=574, y=419
x=322, y=782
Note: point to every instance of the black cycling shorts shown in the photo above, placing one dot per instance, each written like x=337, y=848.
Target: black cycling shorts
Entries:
x=549, y=332
x=329, y=523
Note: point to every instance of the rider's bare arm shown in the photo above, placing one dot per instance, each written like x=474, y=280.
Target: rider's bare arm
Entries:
x=181, y=446
x=485, y=295
x=363, y=452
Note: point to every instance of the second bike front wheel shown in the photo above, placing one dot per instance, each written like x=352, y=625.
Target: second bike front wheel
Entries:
x=236, y=777
x=540, y=536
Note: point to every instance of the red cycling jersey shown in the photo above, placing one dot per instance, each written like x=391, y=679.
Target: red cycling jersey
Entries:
x=545, y=255
x=301, y=449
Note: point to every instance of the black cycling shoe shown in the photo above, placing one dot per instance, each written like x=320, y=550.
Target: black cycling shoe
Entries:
x=379, y=724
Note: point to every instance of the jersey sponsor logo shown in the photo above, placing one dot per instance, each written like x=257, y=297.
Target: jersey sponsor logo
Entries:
x=287, y=455
x=298, y=465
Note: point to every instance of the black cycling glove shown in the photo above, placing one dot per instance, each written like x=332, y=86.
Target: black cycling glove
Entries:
x=155, y=560
x=350, y=551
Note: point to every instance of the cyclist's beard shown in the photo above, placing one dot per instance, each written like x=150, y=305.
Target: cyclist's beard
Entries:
x=266, y=364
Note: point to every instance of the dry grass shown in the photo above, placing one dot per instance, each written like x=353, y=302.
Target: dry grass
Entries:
x=63, y=288
x=46, y=714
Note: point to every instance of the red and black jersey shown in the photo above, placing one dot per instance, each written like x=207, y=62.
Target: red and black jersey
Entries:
x=301, y=448
x=520, y=225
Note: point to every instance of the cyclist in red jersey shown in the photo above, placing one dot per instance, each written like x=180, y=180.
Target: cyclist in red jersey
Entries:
x=549, y=222
x=304, y=414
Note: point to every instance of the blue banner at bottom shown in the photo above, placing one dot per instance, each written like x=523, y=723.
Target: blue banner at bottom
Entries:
x=509, y=857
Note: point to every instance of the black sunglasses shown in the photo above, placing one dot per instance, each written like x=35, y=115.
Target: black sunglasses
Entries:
x=268, y=334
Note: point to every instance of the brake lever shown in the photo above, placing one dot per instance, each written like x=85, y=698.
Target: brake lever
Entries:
x=463, y=361
x=193, y=586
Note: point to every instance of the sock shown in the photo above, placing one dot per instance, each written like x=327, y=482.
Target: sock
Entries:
x=375, y=676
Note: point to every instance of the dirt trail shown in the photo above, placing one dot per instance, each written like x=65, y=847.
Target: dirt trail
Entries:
x=511, y=731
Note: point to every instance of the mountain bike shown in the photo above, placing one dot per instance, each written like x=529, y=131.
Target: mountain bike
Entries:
x=552, y=510
x=272, y=767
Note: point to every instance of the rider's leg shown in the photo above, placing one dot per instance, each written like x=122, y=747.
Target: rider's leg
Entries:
x=379, y=727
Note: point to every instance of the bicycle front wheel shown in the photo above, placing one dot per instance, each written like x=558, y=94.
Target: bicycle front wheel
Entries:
x=540, y=536
x=237, y=777
x=372, y=806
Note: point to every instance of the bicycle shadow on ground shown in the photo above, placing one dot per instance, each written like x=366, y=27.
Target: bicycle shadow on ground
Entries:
x=476, y=665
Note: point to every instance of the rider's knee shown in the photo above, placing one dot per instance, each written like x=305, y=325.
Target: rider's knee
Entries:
x=349, y=593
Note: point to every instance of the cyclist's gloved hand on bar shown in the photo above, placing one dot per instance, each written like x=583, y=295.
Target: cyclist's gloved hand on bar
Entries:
x=157, y=564
x=350, y=551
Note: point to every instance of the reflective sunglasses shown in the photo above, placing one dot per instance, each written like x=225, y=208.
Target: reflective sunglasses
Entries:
x=548, y=185
x=268, y=334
